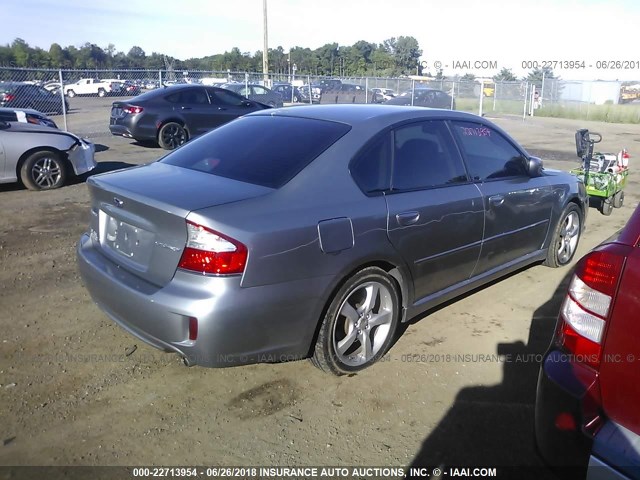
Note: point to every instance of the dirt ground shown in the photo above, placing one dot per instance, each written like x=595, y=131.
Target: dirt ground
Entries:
x=75, y=389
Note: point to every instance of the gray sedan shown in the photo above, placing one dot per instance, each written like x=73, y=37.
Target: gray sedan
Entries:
x=41, y=157
x=315, y=231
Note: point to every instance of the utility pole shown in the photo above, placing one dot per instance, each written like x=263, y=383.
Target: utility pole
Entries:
x=265, y=53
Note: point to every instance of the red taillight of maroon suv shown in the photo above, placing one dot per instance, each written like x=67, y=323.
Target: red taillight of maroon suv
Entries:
x=588, y=303
x=210, y=252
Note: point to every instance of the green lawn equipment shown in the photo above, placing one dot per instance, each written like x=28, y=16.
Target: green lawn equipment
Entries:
x=604, y=174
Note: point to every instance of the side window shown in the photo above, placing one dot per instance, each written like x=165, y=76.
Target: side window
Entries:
x=425, y=157
x=487, y=152
x=259, y=90
x=372, y=167
x=225, y=97
x=191, y=96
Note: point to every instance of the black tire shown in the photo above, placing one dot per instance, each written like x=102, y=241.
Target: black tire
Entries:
x=102, y=92
x=44, y=170
x=295, y=99
x=606, y=206
x=171, y=135
x=71, y=93
x=369, y=297
x=618, y=199
x=566, y=237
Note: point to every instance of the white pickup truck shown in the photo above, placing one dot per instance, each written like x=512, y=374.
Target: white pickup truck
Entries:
x=91, y=86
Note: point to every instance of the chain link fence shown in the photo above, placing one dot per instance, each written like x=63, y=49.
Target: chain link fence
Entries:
x=80, y=100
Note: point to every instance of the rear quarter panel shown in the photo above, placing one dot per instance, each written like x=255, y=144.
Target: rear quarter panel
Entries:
x=620, y=370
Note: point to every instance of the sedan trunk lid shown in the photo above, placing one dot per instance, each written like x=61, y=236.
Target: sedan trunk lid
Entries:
x=138, y=215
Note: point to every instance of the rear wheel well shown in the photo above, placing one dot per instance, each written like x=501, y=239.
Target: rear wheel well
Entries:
x=394, y=273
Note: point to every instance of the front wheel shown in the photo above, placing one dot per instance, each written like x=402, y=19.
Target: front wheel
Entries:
x=618, y=199
x=359, y=324
x=43, y=171
x=606, y=207
x=566, y=236
x=172, y=135
x=102, y=92
x=71, y=93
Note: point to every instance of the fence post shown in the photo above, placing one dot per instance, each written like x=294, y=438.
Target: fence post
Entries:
x=310, y=90
x=413, y=90
x=246, y=81
x=159, y=78
x=481, y=97
x=453, y=93
x=366, y=90
x=495, y=94
x=64, y=107
x=524, y=108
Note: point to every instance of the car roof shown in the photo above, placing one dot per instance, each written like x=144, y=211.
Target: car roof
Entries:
x=25, y=110
x=352, y=114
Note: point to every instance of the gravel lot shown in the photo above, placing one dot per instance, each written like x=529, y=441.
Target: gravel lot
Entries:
x=75, y=389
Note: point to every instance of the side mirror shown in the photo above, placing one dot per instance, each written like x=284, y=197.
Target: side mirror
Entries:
x=247, y=103
x=534, y=166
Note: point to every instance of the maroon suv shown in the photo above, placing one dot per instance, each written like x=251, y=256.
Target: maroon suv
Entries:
x=588, y=400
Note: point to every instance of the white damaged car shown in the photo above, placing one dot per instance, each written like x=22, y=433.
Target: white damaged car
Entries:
x=41, y=157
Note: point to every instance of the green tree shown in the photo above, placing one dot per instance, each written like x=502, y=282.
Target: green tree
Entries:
x=407, y=53
x=56, y=56
x=505, y=75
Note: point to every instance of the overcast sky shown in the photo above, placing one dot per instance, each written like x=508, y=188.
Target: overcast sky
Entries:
x=505, y=32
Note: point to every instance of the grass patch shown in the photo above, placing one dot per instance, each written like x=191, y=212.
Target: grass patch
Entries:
x=576, y=111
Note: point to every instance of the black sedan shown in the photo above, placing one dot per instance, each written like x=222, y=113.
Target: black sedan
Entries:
x=171, y=116
x=424, y=97
x=26, y=95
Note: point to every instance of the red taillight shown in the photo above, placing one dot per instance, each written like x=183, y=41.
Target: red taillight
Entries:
x=132, y=109
x=8, y=97
x=588, y=304
x=210, y=252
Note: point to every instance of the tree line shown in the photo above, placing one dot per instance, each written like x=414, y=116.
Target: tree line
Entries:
x=393, y=57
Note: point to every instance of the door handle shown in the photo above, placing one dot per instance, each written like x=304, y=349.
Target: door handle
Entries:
x=496, y=200
x=186, y=108
x=221, y=108
x=407, y=218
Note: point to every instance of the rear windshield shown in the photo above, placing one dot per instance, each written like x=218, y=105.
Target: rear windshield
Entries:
x=263, y=150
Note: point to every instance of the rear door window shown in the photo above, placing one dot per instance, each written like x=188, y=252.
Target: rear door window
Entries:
x=425, y=157
x=263, y=150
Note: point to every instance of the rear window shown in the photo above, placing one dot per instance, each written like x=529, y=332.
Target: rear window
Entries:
x=263, y=150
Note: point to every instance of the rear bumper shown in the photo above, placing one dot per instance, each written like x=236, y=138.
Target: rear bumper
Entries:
x=120, y=130
x=615, y=454
x=563, y=386
x=236, y=325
